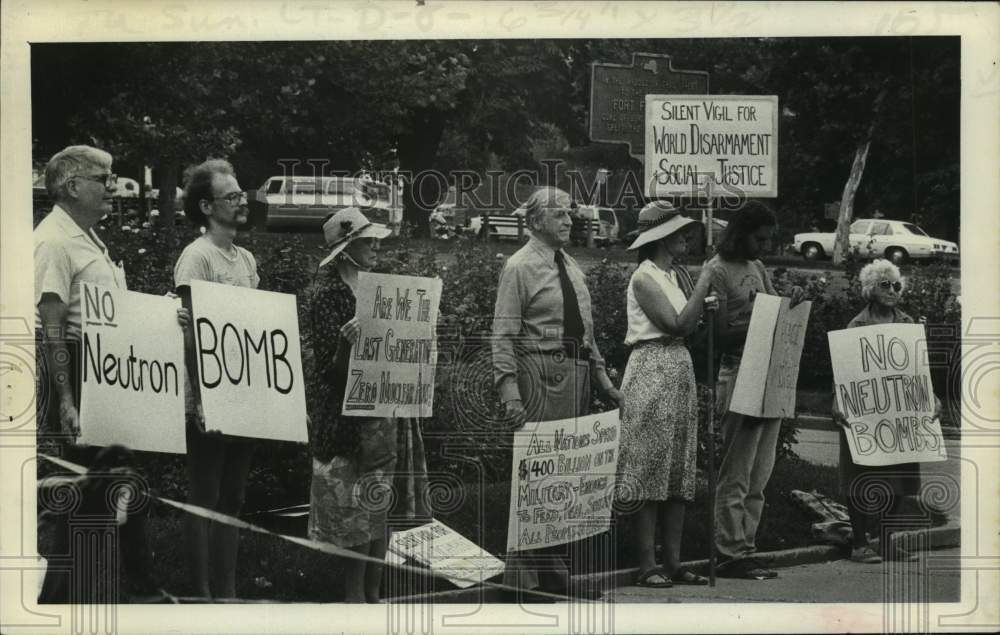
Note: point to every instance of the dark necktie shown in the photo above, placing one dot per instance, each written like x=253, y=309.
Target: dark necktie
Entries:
x=572, y=320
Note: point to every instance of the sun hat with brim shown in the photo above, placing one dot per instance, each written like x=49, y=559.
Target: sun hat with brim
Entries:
x=348, y=225
x=658, y=220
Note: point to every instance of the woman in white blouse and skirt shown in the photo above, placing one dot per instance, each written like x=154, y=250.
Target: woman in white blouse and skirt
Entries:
x=659, y=433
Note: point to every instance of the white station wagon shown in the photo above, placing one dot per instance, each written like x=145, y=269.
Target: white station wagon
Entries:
x=897, y=241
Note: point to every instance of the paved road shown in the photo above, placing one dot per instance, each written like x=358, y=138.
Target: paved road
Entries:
x=933, y=578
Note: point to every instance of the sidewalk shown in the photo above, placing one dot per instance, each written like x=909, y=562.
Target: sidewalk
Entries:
x=935, y=577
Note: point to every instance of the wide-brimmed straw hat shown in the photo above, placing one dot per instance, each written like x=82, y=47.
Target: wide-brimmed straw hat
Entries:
x=657, y=220
x=348, y=225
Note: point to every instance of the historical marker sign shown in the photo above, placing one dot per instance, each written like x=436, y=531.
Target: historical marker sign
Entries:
x=618, y=92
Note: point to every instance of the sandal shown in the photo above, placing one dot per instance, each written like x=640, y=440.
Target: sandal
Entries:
x=683, y=575
x=645, y=579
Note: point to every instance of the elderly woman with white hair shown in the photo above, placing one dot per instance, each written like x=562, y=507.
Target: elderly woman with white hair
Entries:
x=882, y=286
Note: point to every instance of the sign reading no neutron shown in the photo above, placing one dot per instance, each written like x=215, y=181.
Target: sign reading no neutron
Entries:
x=730, y=141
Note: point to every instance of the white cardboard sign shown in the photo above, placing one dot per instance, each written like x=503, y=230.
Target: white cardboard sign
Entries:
x=132, y=376
x=249, y=362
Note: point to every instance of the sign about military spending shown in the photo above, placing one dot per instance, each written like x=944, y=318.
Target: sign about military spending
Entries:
x=392, y=363
x=730, y=141
x=563, y=480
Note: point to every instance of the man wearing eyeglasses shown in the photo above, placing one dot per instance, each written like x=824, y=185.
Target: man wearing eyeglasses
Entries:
x=68, y=252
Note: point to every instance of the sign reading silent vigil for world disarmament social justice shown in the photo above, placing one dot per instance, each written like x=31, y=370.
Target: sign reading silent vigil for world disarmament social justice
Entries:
x=131, y=380
x=563, y=480
x=391, y=373
x=883, y=387
x=730, y=141
x=249, y=362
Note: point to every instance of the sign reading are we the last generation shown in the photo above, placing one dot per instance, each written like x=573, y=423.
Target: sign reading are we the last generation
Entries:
x=730, y=141
x=883, y=387
x=563, y=480
x=391, y=371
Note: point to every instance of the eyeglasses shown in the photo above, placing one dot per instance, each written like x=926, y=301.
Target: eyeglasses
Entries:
x=895, y=286
x=109, y=180
x=233, y=198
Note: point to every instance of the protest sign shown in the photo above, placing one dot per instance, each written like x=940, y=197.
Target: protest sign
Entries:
x=563, y=480
x=728, y=140
x=391, y=371
x=447, y=553
x=883, y=387
x=249, y=362
x=769, y=367
x=131, y=381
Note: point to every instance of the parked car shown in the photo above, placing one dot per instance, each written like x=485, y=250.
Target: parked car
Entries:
x=603, y=225
x=306, y=202
x=894, y=240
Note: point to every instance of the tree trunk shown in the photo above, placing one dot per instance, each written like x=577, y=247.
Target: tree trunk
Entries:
x=417, y=154
x=167, y=182
x=842, y=243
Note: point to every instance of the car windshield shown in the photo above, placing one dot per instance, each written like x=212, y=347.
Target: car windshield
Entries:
x=913, y=229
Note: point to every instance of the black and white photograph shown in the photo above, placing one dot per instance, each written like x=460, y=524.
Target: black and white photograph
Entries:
x=580, y=317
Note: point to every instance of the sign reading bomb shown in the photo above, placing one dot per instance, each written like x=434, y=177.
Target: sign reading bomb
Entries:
x=249, y=362
x=563, y=480
x=883, y=387
x=730, y=141
x=393, y=360
x=131, y=382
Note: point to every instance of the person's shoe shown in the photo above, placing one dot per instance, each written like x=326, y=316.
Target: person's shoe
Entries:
x=865, y=555
x=748, y=568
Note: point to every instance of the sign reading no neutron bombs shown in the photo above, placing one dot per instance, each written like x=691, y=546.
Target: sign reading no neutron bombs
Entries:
x=883, y=387
x=728, y=140
x=392, y=362
x=131, y=383
x=249, y=362
x=563, y=480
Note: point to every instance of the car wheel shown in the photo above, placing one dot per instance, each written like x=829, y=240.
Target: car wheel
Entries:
x=812, y=251
x=896, y=255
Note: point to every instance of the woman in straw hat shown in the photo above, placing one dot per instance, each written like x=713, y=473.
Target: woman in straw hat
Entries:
x=659, y=433
x=355, y=459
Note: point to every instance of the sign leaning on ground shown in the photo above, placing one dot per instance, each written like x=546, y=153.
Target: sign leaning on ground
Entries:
x=617, y=93
x=132, y=380
x=249, y=361
x=563, y=480
x=730, y=141
x=391, y=371
x=769, y=368
x=882, y=384
x=447, y=553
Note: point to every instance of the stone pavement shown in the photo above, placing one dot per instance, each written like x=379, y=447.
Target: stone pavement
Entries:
x=933, y=578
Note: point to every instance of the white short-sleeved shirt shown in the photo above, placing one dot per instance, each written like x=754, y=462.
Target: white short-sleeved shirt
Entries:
x=66, y=255
x=640, y=327
x=202, y=260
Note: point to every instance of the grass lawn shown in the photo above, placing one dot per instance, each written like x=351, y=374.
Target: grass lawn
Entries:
x=274, y=569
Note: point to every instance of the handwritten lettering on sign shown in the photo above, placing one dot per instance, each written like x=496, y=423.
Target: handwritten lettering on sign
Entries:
x=563, y=480
x=447, y=553
x=393, y=359
x=883, y=387
x=131, y=391
x=728, y=140
x=249, y=361
x=769, y=369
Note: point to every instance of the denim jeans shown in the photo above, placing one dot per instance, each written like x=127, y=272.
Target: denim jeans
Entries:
x=749, y=446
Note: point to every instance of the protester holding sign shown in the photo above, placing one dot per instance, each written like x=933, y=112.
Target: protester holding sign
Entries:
x=354, y=459
x=67, y=253
x=544, y=352
x=659, y=440
x=749, y=443
x=881, y=285
x=217, y=464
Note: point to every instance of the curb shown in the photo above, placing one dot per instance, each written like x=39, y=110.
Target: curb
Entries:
x=919, y=540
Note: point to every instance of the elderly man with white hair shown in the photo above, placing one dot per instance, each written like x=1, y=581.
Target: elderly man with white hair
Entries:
x=544, y=353
x=882, y=286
